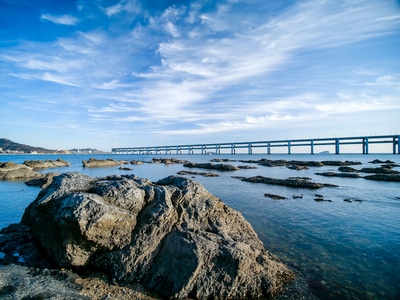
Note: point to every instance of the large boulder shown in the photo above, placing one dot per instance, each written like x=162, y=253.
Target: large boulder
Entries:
x=172, y=236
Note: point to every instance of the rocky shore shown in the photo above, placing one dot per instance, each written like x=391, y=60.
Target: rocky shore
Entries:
x=129, y=236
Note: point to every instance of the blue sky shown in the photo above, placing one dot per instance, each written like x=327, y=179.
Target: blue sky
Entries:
x=104, y=73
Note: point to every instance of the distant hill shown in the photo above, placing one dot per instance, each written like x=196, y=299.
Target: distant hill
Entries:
x=7, y=145
x=10, y=146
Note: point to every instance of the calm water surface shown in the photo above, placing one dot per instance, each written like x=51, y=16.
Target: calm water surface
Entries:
x=345, y=250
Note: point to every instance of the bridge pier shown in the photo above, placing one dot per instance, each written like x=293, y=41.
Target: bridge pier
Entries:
x=268, y=148
x=365, y=145
x=233, y=149
x=250, y=149
x=312, y=146
x=288, y=147
x=337, y=146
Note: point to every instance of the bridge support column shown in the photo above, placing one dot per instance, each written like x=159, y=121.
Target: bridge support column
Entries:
x=250, y=149
x=337, y=146
x=233, y=150
x=288, y=147
x=398, y=145
x=312, y=146
x=365, y=145
x=268, y=148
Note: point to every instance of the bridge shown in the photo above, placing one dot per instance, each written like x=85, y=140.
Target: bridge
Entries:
x=232, y=148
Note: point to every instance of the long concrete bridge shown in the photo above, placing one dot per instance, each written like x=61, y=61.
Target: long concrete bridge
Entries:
x=232, y=148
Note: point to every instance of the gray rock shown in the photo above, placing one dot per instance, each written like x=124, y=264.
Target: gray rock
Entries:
x=96, y=163
x=40, y=164
x=384, y=177
x=379, y=170
x=43, y=182
x=205, y=174
x=334, y=174
x=347, y=169
x=221, y=167
x=17, y=283
x=173, y=236
x=13, y=171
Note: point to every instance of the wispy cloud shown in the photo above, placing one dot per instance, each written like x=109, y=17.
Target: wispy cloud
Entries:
x=209, y=68
x=60, y=20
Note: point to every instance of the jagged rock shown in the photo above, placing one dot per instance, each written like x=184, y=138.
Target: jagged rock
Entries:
x=40, y=164
x=221, y=167
x=136, y=162
x=95, y=163
x=43, y=182
x=172, y=236
x=13, y=171
x=291, y=182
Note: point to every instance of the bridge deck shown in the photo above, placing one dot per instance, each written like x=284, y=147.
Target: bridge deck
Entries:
x=216, y=148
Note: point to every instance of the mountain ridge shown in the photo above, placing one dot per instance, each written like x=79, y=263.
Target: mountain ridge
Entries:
x=8, y=146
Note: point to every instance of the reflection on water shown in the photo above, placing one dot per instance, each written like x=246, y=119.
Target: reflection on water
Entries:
x=346, y=250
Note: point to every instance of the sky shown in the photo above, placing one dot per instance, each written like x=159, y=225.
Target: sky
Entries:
x=112, y=73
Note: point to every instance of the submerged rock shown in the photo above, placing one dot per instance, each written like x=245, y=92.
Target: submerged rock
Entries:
x=172, y=236
x=275, y=197
x=291, y=182
x=384, y=177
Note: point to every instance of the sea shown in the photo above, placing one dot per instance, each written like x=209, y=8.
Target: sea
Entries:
x=346, y=247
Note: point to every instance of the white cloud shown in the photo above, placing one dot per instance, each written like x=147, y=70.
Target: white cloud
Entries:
x=60, y=20
x=227, y=69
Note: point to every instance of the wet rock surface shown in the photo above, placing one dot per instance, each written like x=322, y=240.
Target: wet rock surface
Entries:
x=205, y=174
x=220, y=167
x=275, y=197
x=168, y=161
x=384, y=177
x=172, y=236
x=334, y=174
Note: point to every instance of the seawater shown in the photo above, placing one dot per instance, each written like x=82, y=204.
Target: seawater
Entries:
x=344, y=250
